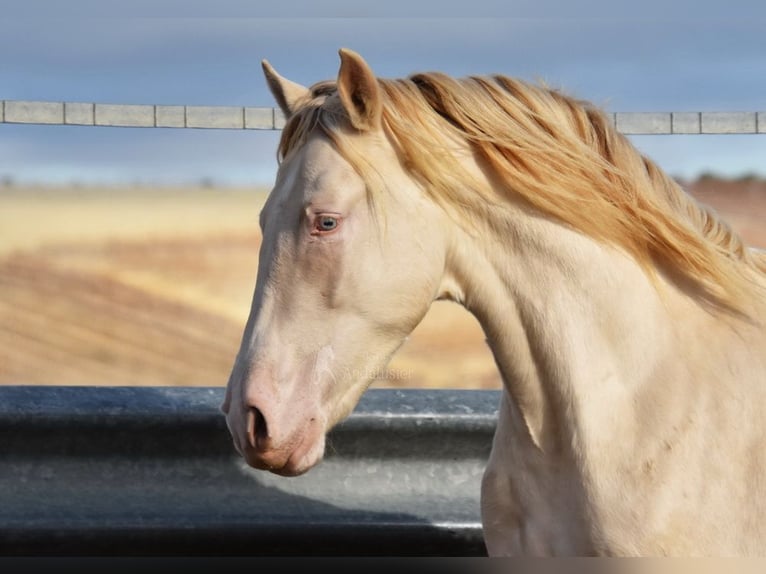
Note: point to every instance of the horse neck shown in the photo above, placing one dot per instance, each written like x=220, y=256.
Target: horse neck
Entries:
x=567, y=319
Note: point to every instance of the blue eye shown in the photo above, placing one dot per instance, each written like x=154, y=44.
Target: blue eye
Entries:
x=326, y=223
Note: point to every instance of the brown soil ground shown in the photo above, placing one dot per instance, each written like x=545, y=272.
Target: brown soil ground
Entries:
x=152, y=287
x=742, y=203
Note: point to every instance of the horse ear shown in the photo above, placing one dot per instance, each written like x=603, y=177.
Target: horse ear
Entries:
x=358, y=90
x=286, y=93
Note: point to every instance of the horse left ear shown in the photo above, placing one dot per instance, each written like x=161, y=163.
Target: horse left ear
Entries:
x=287, y=94
x=359, y=91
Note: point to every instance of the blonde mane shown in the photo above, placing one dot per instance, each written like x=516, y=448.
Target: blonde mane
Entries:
x=560, y=155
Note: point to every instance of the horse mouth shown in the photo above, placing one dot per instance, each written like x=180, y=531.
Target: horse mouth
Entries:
x=298, y=462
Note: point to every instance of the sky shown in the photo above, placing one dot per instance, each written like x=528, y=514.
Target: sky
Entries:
x=624, y=56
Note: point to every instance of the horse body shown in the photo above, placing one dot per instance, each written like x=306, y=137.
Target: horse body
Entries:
x=629, y=425
x=630, y=421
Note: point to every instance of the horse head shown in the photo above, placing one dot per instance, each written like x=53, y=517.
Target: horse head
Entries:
x=345, y=272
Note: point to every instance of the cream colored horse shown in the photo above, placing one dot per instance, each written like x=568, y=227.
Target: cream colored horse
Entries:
x=625, y=319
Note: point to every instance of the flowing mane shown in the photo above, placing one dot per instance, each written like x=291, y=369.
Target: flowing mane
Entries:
x=560, y=155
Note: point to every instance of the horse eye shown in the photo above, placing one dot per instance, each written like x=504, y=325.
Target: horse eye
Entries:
x=327, y=223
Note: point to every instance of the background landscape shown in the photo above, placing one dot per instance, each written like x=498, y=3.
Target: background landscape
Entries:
x=142, y=285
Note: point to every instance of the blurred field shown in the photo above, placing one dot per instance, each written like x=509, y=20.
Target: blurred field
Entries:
x=153, y=286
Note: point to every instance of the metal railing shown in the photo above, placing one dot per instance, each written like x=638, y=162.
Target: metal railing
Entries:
x=152, y=471
x=265, y=118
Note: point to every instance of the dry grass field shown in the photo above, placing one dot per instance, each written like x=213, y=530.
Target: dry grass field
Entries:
x=152, y=287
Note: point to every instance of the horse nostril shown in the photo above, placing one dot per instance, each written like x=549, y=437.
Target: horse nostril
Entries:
x=257, y=431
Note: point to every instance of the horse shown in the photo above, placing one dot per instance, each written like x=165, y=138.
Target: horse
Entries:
x=625, y=318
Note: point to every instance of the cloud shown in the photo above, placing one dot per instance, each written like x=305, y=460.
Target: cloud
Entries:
x=689, y=156
x=625, y=61
x=97, y=154
x=643, y=65
x=560, y=9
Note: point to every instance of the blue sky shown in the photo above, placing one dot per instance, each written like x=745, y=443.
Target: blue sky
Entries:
x=625, y=56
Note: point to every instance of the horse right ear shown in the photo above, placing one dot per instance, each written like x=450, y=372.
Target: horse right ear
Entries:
x=358, y=91
x=286, y=93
